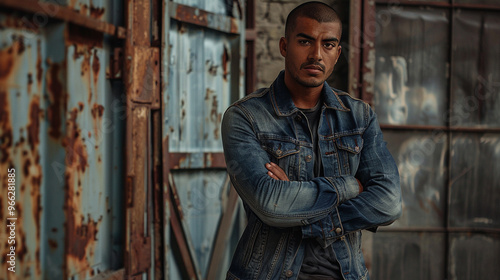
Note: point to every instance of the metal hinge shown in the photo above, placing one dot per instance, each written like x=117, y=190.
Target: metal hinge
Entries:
x=115, y=69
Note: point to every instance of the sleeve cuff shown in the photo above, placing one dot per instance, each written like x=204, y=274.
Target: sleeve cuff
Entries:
x=346, y=186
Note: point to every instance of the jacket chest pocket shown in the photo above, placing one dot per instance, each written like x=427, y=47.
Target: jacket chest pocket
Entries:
x=283, y=151
x=348, y=152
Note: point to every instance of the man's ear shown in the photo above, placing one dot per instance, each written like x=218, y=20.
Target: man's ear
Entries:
x=283, y=43
x=338, y=54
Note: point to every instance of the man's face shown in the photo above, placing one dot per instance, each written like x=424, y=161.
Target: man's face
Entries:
x=310, y=51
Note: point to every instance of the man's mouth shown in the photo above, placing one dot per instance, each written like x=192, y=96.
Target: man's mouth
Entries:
x=313, y=67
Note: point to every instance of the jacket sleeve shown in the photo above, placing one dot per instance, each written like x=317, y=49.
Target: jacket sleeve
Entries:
x=380, y=201
x=276, y=203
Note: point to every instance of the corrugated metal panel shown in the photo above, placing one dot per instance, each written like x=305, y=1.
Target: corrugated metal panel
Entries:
x=472, y=251
x=411, y=256
x=58, y=125
x=199, y=89
x=475, y=185
x=21, y=139
x=408, y=89
x=421, y=160
x=441, y=125
x=205, y=74
x=200, y=195
x=476, y=75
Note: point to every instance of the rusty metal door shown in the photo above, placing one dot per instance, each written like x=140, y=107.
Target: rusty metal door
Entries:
x=61, y=125
x=203, y=72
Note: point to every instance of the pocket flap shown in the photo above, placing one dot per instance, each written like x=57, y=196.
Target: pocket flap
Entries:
x=279, y=148
x=351, y=143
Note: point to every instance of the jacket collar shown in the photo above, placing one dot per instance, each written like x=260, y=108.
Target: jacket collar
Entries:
x=282, y=100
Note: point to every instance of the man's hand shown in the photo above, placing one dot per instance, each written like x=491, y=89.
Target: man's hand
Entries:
x=360, y=186
x=275, y=172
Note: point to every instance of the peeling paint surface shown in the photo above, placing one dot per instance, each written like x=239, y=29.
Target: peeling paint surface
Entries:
x=57, y=123
x=205, y=76
x=21, y=146
x=200, y=87
x=87, y=167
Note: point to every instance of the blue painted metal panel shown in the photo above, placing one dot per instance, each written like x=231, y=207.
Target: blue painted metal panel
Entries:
x=199, y=87
x=204, y=59
x=60, y=119
x=200, y=194
x=21, y=109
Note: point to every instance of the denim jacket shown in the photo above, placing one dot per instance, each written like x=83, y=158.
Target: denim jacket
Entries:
x=265, y=126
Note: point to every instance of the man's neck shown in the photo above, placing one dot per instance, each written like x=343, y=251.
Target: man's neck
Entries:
x=303, y=97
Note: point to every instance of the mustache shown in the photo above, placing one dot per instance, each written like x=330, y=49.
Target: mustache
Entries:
x=314, y=63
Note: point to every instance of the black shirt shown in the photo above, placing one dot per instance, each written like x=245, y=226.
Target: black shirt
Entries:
x=319, y=262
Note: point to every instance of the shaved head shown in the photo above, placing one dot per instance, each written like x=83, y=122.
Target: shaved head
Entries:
x=318, y=11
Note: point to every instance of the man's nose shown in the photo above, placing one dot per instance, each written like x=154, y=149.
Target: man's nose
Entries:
x=315, y=52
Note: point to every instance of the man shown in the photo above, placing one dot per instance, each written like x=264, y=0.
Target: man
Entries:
x=309, y=163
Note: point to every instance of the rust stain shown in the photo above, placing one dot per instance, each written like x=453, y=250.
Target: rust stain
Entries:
x=30, y=82
x=76, y=153
x=21, y=249
x=52, y=244
x=81, y=232
x=26, y=167
x=39, y=68
x=22, y=46
x=57, y=97
x=96, y=12
x=96, y=66
x=234, y=26
x=32, y=171
x=7, y=58
x=225, y=60
x=5, y=126
x=34, y=123
x=215, y=116
x=72, y=3
x=97, y=113
x=84, y=9
x=36, y=184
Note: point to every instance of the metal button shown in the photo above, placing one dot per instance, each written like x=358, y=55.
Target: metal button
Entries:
x=279, y=152
x=289, y=273
x=308, y=158
x=356, y=149
x=338, y=230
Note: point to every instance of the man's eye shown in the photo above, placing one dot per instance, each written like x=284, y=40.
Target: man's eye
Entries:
x=329, y=45
x=303, y=42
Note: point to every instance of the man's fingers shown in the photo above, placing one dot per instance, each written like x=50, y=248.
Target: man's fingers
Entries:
x=271, y=174
x=276, y=171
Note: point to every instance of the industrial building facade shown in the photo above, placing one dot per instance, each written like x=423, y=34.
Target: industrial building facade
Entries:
x=110, y=116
